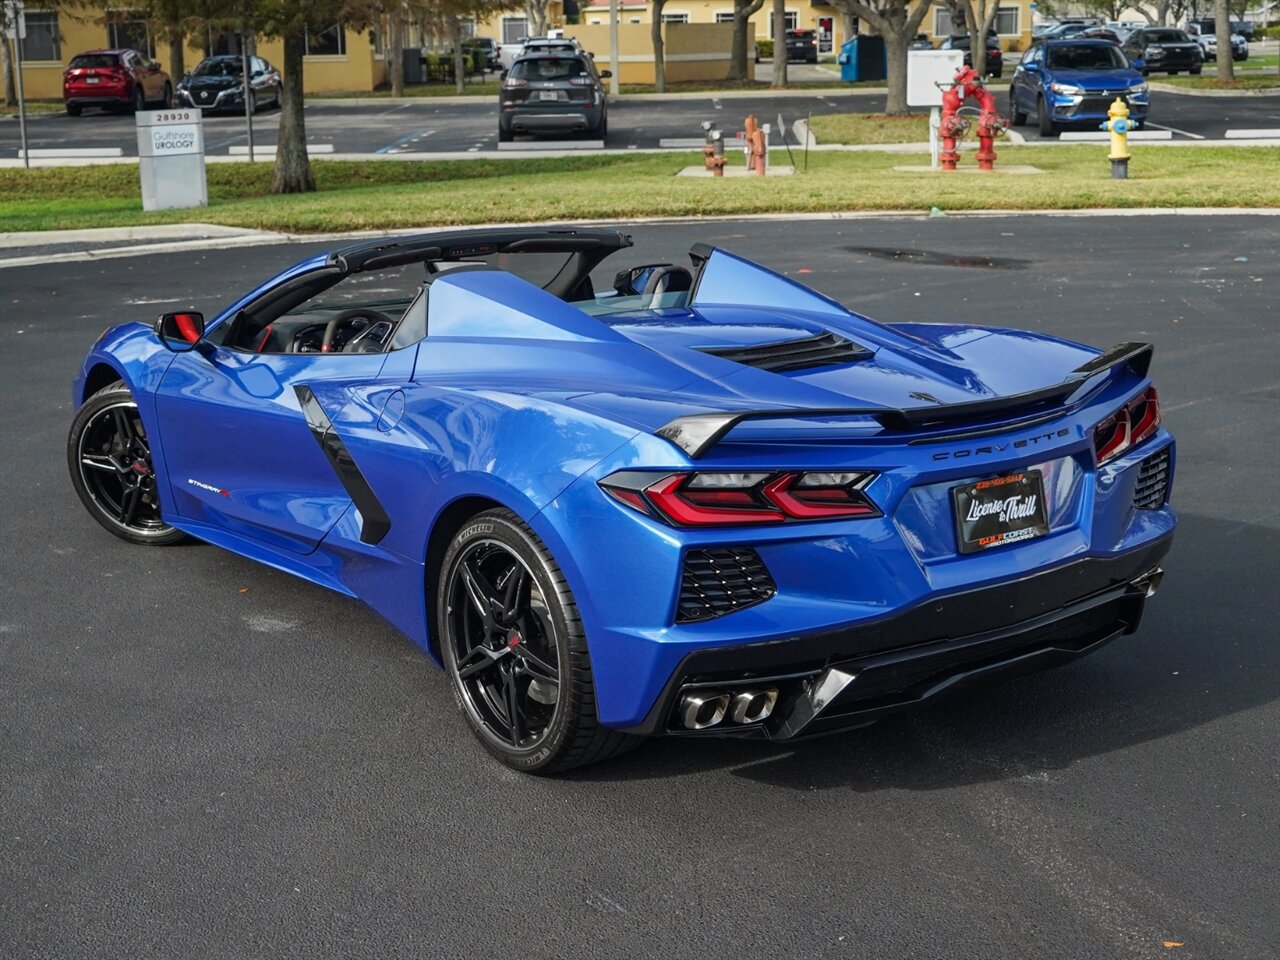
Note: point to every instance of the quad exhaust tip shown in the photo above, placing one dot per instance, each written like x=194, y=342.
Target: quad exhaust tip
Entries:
x=701, y=709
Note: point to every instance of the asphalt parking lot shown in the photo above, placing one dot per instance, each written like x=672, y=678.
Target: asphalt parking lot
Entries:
x=205, y=758
x=426, y=126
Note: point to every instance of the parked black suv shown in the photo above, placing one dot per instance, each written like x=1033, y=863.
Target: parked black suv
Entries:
x=553, y=93
x=1164, y=50
x=995, y=55
x=802, y=45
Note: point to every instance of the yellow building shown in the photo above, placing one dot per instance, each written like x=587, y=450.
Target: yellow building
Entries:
x=337, y=59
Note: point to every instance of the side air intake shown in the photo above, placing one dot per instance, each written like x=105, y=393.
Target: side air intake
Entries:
x=1153, y=482
x=827, y=349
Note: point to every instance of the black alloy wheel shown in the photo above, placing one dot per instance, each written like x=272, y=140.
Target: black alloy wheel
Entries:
x=514, y=649
x=109, y=457
x=167, y=102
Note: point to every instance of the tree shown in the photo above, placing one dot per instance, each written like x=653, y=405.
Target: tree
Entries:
x=291, y=21
x=536, y=14
x=897, y=21
x=659, y=55
x=1222, y=27
x=977, y=17
x=743, y=11
x=779, y=44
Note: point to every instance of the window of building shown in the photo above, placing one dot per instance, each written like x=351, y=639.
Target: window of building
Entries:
x=594, y=21
x=223, y=43
x=41, y=42
x=634, y=20
x=791, y=18
x=127, y=30
x=1007, y=21
x=514, y=29
x=327, y=43
x=675, y=18
x=941, y=23
x=724, y=16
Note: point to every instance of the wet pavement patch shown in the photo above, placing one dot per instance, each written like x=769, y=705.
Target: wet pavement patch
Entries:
x=935, y=258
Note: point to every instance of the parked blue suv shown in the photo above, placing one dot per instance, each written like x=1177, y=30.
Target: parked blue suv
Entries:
x=1073, y=81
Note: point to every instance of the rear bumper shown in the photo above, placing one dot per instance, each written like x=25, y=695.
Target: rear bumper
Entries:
x=561, y=118
x=849, y=678
x=113, y=99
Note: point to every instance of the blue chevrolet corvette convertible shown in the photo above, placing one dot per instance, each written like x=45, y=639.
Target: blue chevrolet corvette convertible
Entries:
x=643, y=499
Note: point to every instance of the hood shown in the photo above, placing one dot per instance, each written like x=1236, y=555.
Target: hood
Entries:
x=211, y=83
x=1099, y=79
x=743, y=358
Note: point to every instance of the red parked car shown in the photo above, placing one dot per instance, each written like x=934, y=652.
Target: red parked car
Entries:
x=114, y=80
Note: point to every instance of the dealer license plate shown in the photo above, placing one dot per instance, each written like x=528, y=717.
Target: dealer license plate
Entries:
x=1001, y=510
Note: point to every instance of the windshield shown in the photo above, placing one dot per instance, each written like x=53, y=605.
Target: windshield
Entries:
x=94, y=60
x=1167, y=36
x=547, y=68
x=1092, y=56
x=217, y=68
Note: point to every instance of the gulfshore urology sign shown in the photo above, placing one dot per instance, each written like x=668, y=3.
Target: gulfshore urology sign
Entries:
x=171, y=158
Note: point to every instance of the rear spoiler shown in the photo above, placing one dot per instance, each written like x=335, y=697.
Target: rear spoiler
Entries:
x=697, y=433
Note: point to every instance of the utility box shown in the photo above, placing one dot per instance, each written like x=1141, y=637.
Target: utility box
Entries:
x=929, y=72
x=862, y=58
x=171, y=158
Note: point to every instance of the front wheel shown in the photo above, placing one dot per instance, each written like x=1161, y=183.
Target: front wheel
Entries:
x=1047, y=127
x=504, y=136
x=109, y=457
x=139, y=100
x=1016, y=116
x=167, y=101
x=73, y=109
x=515, y=651
x=1196, y=71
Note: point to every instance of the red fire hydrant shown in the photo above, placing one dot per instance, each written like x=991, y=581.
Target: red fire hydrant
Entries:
x=990, y=124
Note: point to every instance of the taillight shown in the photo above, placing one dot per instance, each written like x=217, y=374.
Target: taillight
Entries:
x=581, y=81
x=1127, y=427
x=720, y=498
x=512, y=84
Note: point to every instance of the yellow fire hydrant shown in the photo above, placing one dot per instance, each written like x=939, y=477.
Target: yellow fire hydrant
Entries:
x=1119, y=126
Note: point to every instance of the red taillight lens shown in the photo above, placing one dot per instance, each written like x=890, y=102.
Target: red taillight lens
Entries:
x=1130, y=425
x=718, y=499
x=510, y=84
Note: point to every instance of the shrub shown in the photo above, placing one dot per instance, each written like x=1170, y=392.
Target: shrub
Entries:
x=764, y=49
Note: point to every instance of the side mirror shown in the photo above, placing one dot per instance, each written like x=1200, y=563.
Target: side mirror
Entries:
x=1030, y=67
x=606, y=74
x=180, y=332
x=1138, y=63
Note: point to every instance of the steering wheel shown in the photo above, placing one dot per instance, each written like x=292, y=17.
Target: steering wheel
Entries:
x=345, y=317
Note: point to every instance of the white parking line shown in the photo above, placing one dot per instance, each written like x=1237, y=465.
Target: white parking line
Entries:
x=1185, y=133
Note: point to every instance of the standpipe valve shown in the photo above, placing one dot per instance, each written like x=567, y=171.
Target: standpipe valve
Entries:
x=1119, y=126
x=953, y=127
x=713, y=149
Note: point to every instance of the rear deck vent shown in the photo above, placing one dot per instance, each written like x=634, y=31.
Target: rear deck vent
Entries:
x=826, y=349
x=1153, y=482
x=720, y=581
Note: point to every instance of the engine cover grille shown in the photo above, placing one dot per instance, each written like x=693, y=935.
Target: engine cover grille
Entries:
x=1153, y=482
x=826, y=349
x=721, y=580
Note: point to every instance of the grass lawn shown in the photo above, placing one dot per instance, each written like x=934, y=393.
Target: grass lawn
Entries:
x=412, y=195
x=870, y=128
x=34, y=107
x=1265, y=81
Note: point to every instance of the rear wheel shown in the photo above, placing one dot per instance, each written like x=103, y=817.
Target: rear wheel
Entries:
x=1195, y=71
x=515, y=651
x=73, y=109
x=504, y=136
x=1047, y=127
x=109, y=457
x=139, y=102
x=167, y=102
x=1173, y=73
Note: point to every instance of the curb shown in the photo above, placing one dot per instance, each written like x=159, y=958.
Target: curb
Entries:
x=1192, y=92
x=259, y=238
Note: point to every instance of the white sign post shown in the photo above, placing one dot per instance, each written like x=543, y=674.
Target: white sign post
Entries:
x=15, y=29
x=929, y=72
x=171, y=158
